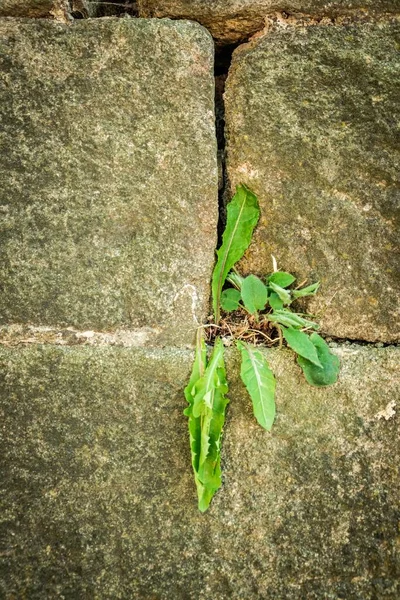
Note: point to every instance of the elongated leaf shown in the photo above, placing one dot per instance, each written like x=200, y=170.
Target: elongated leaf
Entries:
x=230, y=299
x=260, y=383
x=328, y=373
x=281, y=278
x=274, y=301
x=300, y=343
x=198, y=370
x=310, y=290
x=284, y=295
x=254, y=294
x=208, y=409
x=209, y=382
x=290, y=319
x=241, y=218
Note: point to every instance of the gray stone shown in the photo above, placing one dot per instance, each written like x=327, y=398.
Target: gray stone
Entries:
x=312, y=120
x=58, y=9
x=109, y=174
x=98, y=501
x=230, y=21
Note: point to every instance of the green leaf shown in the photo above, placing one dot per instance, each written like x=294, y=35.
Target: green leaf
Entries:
x=260, y=383
x=310, y=290
x=281, y=278
x=328, y=373
x=235, y=279
x=284, y=295
x=198, y=370
x=274, y=301
x=242, y=215
x=209, y=382
x=254, y=294
x=230, y=299
x=300, y=343
x=290, y=319
x=208, y=409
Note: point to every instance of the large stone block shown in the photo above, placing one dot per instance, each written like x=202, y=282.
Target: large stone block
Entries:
x=58, y=9
x=312, y=127
x=108, y=174
x=230, y=21
x=98, y=501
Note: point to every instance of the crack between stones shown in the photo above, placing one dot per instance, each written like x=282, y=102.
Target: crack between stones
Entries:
x=25, y=335
x=223, y=60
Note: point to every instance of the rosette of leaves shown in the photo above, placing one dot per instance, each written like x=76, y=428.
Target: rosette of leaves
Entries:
x=269, y=299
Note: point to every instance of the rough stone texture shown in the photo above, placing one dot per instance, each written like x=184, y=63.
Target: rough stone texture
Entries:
x=98, y=499
x=109, y=174
x=112, y=8
x=230, y=21
x=58, y=9
x=312, y=120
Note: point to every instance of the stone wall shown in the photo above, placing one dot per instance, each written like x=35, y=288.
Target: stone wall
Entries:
x=108, y=224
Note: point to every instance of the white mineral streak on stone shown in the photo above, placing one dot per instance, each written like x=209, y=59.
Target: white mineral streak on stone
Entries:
x=189, y=288
x=388, y=412
x=247, y=170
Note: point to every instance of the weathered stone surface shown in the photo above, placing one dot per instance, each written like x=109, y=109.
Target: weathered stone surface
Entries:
x=108, y=175
x=112, y=8
x=312, y=127
x=98, y=499
x=58, y=9
x=232, y=20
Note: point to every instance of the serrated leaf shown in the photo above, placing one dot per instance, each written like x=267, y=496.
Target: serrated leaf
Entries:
x=206, y=423
x=328, y=373
x=290, y=319
x=284, y=295
x=260, y=384
x=310, y=290
x=281, y=278
x=198, y=370
x=242, y=215
x=230, y=299
x=254, y=294
x=274, y=301
x=207, y=385
x=300, y=343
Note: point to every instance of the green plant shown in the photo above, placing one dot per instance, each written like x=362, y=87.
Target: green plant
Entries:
x=261, y=305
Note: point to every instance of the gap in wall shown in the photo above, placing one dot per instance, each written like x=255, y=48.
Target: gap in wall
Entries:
x=223, y=59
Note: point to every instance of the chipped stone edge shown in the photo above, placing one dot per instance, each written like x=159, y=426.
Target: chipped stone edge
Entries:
x=275, y=22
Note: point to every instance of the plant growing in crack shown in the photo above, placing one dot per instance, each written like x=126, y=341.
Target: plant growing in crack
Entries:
x=254, y=310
